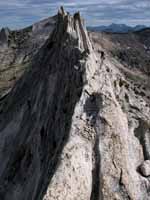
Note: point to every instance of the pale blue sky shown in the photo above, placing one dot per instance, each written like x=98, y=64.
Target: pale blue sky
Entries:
x=21, y=13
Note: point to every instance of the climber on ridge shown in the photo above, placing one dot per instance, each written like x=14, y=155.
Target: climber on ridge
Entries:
x=102, y=55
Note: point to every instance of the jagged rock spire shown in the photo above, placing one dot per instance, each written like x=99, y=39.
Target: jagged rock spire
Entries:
x=61, y=11
x=4, y=34
x=39, y=111
x=68, y=25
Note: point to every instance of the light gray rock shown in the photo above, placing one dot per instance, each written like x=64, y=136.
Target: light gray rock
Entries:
x=145, y=168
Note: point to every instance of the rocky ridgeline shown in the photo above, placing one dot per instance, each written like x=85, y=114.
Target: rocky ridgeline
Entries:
x=131, y=49
x=18, y=47
x=76, y=124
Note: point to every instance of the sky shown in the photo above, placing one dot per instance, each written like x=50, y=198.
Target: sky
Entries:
x=17, y=14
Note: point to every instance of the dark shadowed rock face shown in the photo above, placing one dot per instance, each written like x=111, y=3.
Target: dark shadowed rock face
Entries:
x=4, y=35
x=36, y=115
x=76, y=124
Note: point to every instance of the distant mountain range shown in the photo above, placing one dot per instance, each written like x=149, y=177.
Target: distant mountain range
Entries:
x=117, y=28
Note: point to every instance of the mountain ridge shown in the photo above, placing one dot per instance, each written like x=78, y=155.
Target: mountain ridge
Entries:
x=117, y=28
x=74, y=123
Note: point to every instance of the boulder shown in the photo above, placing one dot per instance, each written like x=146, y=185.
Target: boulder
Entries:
x=145, y=168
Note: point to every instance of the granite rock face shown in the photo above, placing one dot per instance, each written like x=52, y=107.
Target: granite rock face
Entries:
x=131, y=49
x=145, y=168
x=17, y=49
x=76, y=125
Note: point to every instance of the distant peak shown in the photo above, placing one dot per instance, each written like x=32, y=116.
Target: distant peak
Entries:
x=4, y=34
x=6, y=29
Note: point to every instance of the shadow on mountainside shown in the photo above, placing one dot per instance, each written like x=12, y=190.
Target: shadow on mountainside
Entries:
x=92, y=107
x=35, y=120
